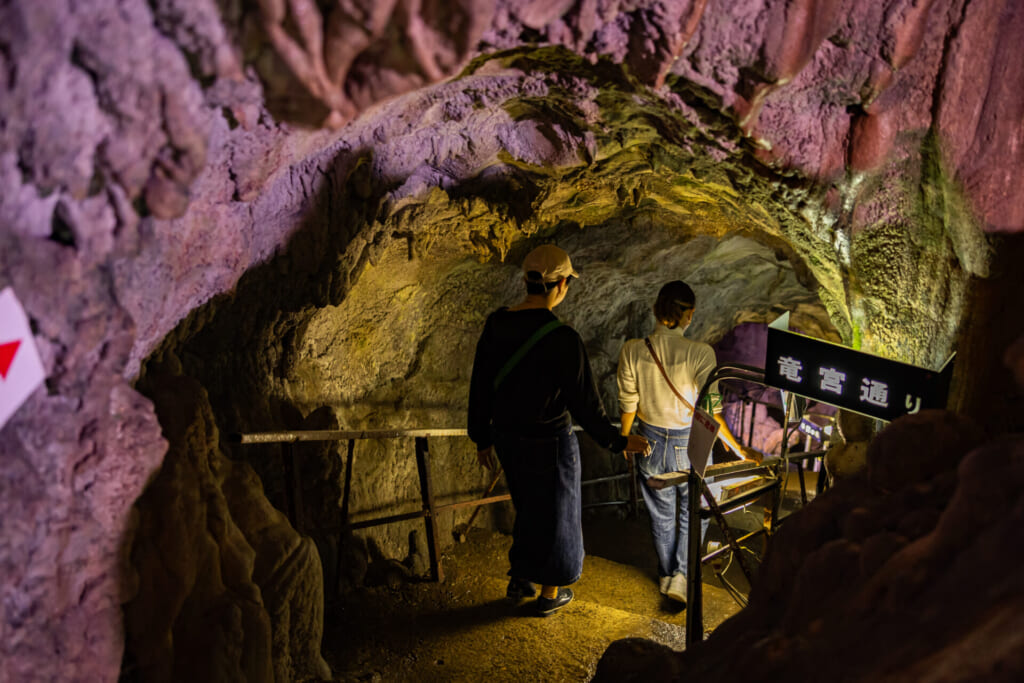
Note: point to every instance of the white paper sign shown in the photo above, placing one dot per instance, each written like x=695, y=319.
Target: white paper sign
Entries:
x=21, y=369
x=702, y=439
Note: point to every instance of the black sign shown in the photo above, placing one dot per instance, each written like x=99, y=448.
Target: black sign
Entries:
x=812, y=430
x=853, y=380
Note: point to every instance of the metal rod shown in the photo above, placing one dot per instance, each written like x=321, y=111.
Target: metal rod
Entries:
x=338, y=435
x=476, y=510
x=735, y=466
x=605, y=503
x=756, y=401
x=694, y=606
x=342, y=435
x=803, y=486
x=477, y=503
x=726, y=548
x=743, y=499
x=613, y=477
x=387, y=520
x=377, y=521
x=753, y=418
x=807, y=455
x=712, y=472
x=773, y=511
x=822, y=484
x=743, y=417
x=724, y=526
x=423, y=464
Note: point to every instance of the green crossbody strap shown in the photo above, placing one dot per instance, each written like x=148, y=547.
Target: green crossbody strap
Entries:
x=522, y=351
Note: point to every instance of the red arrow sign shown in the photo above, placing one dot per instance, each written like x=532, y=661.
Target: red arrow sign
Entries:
x=7, y=352
x=17, y=380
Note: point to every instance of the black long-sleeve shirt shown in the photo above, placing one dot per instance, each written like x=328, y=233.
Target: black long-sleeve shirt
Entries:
x=552, y=381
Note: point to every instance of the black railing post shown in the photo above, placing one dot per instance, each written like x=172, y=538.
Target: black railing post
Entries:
x=803, y=485
x=743, y=417
x=344, y=531
x=753, y=419
x=694, y=588
x=430, y=515
x=730, y=539
x=349, y=461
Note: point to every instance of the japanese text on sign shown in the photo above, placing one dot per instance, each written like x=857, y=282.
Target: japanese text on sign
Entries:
x=850, y=379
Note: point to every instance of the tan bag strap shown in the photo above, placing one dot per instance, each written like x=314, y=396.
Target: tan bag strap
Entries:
x=664, y=374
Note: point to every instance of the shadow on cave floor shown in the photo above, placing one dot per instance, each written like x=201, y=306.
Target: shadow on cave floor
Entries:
x=465, y=630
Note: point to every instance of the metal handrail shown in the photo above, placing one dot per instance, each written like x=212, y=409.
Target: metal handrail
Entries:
x=339, y=435
x=737, y=467
x=696, y=487
x=343, y=435
x=429, y=511
x=694, y=630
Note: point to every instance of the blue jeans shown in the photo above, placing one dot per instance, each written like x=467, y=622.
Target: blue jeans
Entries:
x=668, y=507
x=543, y=476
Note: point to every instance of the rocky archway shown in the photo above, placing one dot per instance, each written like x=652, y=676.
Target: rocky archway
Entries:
x=156, y=200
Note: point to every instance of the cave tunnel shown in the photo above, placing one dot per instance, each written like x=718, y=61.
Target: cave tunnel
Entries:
x=226, y=218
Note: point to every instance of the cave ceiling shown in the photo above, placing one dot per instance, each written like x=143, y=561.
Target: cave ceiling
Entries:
x=374, y=298
x=384, y=300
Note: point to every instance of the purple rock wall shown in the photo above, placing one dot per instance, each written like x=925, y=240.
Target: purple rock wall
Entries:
x=152, y=152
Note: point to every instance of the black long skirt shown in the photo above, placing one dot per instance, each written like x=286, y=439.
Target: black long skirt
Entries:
x=543, y=476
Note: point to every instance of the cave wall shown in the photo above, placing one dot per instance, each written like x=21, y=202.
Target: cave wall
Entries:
x=149, y=165
x=905, y=573
x=374, y=311
x=222, y=587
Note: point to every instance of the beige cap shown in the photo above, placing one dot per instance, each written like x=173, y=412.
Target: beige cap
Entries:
x=551, y=262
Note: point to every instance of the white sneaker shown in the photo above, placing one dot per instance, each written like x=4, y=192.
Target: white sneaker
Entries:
x=663, y=583
x=677, y=588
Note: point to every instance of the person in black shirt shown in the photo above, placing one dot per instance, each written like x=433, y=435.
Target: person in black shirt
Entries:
x=530, y=373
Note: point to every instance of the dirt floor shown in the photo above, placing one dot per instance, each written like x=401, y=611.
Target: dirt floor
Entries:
x=464, y=629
